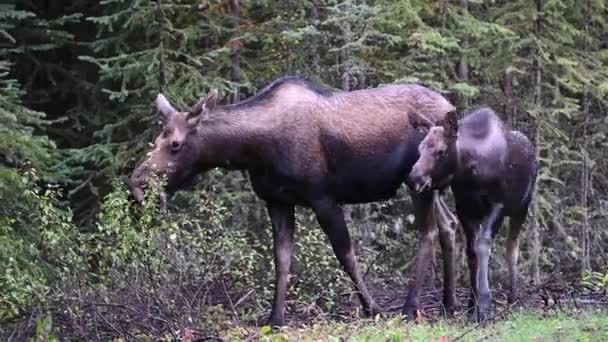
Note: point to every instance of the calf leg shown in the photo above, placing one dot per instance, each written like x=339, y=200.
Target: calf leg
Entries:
x=513, y=254
x=283, y=226
x=427, y=232
x=471, y=227
x=483, y=246
x=446, y=222
x=331, y=218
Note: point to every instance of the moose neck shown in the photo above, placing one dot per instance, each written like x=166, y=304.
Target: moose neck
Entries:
x=228, y=141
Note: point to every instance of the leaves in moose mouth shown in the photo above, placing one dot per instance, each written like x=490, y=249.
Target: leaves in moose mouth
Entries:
x=138, y=193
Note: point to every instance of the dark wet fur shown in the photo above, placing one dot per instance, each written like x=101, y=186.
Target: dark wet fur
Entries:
x=477, y=123
x=492, y=173
x=509, y=184
x=327, y=148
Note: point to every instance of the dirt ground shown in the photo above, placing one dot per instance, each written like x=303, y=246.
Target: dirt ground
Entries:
x=133, y=314
x=552, y=296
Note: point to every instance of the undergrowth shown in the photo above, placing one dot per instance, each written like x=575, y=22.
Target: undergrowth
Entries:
x=582, y=326
x=143, y=274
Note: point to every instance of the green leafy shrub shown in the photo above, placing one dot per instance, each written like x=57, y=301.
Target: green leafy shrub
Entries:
x=186, y=267
x=38, y=243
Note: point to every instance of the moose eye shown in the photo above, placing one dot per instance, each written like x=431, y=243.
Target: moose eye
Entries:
x=166, y=133
x=440, y=153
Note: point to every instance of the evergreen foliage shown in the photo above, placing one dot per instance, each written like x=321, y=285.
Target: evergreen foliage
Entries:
x=77, y=79
x=36, y=234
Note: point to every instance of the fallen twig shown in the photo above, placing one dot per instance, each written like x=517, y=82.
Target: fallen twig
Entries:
x=372, y=264
x=238, y=302
x=234, y=313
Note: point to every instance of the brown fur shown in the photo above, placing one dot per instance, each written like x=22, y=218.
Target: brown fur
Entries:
x=492, y=173
x=361, y=119
x=309, y=146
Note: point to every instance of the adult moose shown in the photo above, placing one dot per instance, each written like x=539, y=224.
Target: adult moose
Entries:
x=492, y=172
x=308, y=146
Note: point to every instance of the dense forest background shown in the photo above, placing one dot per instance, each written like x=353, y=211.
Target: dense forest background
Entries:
x=77, y=79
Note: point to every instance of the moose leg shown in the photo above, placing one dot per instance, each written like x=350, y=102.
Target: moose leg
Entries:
x=470, y=228
x=446, y=222
x=283, y=226
x=513, y=254
x=331, y=218
x=483, y=245
x=427, y=232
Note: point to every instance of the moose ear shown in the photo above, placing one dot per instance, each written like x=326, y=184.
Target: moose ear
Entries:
x=211, y=100
x=204, y=105
x=164, y=108
x=420, y=122
x=450, y=124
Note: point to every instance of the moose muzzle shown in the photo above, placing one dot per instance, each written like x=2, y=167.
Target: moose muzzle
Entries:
x=137, y=182
x=419, y=180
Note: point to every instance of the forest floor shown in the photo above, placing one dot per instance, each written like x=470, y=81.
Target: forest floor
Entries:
x=556, y=310
x=519, y=326
x=553, y=311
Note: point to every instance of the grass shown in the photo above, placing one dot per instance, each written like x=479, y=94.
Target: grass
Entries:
x=577, y=326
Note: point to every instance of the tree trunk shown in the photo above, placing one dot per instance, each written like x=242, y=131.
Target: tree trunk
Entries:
x=536, y=243
x=316, y=56
x=343, y=67
x=235, y=9
x=584, y=230
x=443, y=58
x=510, y=110
x=344, y=73
x=161, y=64
x=361, y=81
x=463, y=66
x=536, y=222
x=343, y=58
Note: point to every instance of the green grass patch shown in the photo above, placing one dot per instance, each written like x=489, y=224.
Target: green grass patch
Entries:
x=578, y=326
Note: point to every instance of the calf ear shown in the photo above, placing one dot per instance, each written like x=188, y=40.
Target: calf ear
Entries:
x=211, y=100
x=450, y=125
x=204, y=105
x=164, y=108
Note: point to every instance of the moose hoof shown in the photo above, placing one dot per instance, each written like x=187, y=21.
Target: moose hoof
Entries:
x=410, y=313
x=471, y=304
x=449, y=305
x=448, y=311
x=482, y=315
x=372, y=310
x=276, y=322
x=484, y=309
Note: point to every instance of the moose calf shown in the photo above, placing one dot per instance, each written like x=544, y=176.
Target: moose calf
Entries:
x=492, y=173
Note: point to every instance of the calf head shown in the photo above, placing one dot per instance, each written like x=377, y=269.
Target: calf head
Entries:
x=437, y=162
x=176, y=151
